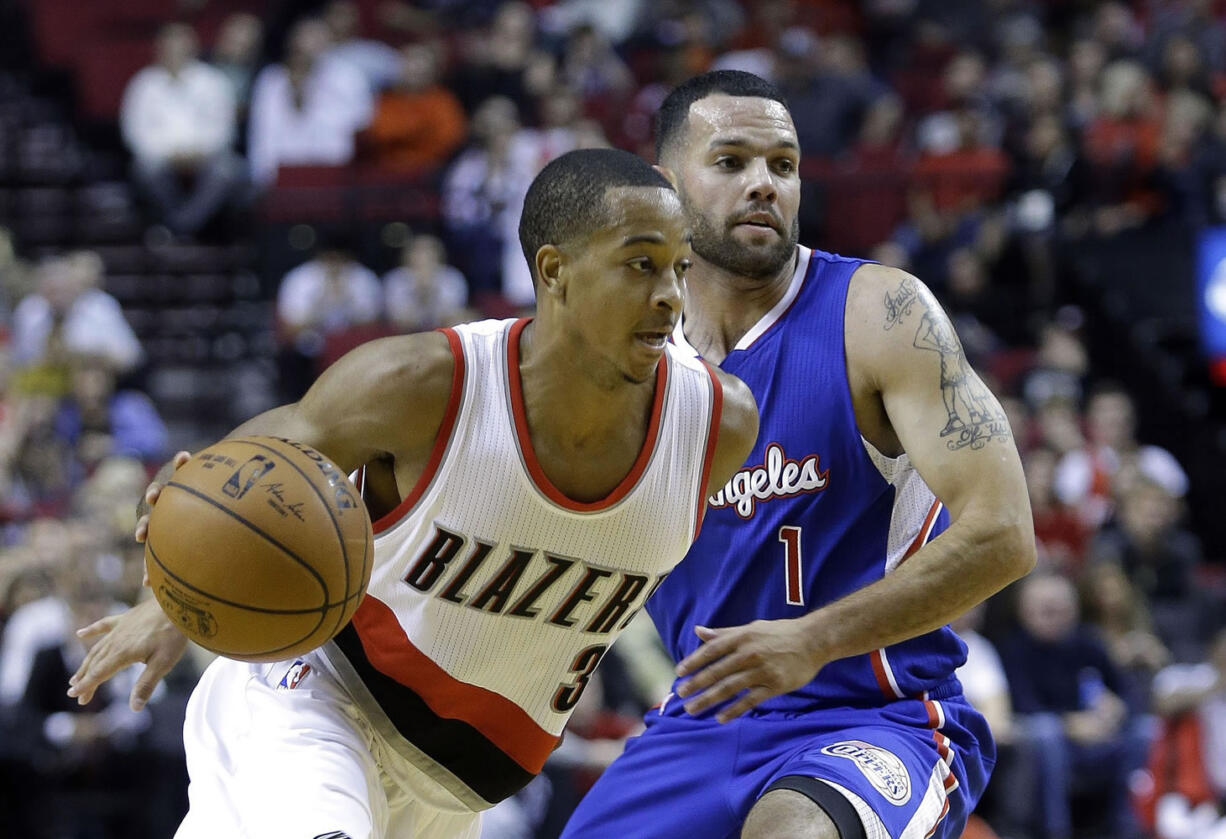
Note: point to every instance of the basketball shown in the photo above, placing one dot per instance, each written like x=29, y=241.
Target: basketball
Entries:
x=259, y=549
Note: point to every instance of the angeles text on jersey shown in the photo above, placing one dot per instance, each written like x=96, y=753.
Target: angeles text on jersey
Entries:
x=778, y=477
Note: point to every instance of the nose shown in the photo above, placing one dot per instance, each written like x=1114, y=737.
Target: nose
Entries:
x=668, y=292
x=760, y=185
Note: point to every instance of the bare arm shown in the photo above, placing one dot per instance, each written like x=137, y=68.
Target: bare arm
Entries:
x=386, y=399
x=956, y=435
x=905, y=360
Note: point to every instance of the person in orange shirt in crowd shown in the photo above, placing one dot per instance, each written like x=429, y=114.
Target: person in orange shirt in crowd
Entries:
x=418, y=123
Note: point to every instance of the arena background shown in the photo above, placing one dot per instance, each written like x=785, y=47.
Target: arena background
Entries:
x=1054, y=169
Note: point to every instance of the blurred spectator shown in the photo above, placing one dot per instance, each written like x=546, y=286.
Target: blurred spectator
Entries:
x=93, y=758
x=828, y=87
x=1086, y=60
x=70, y=313
x=706, y=26
x=985, y=686
x=98, y=420
x=479, y=191
x=590, y=67
x=958, y=171
x=613, y=22
x=425, y=292
x=502, y=59
x=418, y=123
x=306, y=111
x=563, y=128
x=1159, y=557
x=322, y=297
x=1116, y=27
x=1120, y=614
x=1198, y=21
x=378, y=63
x=1090, y=478
x=236, y=53
x=1061, y=536
x=51, y=548
x=178, y=119
x=1061, y=363
x=1121, y=146
x=1070, y=700
x=1187, y=764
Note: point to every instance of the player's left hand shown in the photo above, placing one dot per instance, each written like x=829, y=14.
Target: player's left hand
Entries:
x=758, y=660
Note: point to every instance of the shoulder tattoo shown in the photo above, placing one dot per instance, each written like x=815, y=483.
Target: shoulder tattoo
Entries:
x=899, y=302
x=973, y=416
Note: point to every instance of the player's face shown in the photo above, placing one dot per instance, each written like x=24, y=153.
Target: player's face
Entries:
x=737, y=172
x=627, y=280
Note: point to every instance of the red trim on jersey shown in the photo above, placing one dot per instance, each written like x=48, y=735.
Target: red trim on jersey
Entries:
x=717, y=412
x=536, y=473
x=877, y=659
x=445, y=431
x=924, y=532
x=499, y=720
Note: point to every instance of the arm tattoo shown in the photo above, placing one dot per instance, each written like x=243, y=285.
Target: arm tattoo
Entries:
x=974, y=417
x=898, y=305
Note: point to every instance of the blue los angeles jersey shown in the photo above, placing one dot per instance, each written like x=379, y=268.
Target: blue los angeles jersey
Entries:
x=815, y=514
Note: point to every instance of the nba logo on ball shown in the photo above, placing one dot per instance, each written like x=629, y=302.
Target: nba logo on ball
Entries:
x=246, y=476
x=294, y=675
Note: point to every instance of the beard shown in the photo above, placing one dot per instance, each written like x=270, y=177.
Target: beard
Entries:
x=715, y=244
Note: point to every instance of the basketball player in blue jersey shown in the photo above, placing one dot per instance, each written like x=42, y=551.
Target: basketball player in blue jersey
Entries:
x=816, y=696
x=545, y=476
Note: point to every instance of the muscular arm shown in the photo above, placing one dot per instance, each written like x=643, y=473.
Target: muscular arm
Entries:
x=914, y=392
x=935, y=408
x=385, y=400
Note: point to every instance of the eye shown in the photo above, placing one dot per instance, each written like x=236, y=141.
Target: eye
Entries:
x=642, y=264
x=727, y=162
x=682, y=267
x=785, y=165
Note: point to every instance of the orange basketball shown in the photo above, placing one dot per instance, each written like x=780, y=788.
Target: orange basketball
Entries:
x=259, y=549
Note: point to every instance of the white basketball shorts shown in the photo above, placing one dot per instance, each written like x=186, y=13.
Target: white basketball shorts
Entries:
x=278, y=751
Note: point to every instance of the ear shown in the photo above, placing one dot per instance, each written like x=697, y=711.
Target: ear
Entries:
x=549, y=263
x=669, y=174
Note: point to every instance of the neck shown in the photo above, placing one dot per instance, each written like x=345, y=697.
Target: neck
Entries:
x=571, y=397
x=720, y=306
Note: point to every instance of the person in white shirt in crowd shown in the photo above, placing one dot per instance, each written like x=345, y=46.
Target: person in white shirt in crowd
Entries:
x=305, y=111
x=178, y=120
x=70, y=313
x=1093, y=478
x=322, y=297
x=424, y=292
x=479, y=193
x=1189, y=763
x=378, y=62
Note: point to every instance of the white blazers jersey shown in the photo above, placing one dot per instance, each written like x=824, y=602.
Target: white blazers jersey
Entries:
x=493, y=595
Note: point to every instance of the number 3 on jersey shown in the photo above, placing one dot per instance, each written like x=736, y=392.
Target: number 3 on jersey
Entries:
x=567, y=695
x=790, y=537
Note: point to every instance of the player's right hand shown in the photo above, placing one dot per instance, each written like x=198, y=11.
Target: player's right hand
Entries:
x=141, y=634
x=151, y=497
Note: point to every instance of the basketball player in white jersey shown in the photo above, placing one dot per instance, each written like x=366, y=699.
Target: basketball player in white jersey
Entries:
x=547, y=476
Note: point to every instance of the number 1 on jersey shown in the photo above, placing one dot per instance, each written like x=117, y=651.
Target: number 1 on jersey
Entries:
x=790, y=537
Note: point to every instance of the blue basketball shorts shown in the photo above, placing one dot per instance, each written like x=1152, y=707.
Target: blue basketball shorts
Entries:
x=912, y=769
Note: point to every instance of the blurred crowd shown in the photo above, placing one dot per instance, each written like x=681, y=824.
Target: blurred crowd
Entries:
x=972, y=142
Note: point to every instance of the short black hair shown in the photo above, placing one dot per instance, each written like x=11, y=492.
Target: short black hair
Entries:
x=673, y=113
x=567, y=199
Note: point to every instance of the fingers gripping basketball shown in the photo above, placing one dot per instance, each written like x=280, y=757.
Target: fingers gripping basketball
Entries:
x=259, y=548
